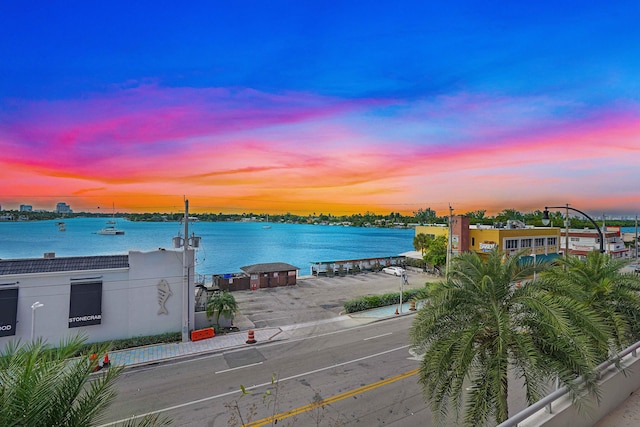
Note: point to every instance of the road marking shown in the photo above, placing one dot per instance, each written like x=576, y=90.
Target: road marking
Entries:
x=206, y=399
x=360, y=390
x=238, y=367
x=378, y=336
x=273, y=318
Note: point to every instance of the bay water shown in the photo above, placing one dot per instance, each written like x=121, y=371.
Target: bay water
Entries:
x=224, y=246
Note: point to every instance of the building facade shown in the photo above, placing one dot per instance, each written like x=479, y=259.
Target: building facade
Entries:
x=62, y=207
x=583, y=241
x=510, y=237
x=102, y=297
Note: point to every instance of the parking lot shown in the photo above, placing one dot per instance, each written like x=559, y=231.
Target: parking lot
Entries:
x=315, y=298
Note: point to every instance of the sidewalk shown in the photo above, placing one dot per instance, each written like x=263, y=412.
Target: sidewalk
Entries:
x=164, y=352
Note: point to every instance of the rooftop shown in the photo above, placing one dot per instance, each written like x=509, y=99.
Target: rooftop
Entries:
x=52, y=264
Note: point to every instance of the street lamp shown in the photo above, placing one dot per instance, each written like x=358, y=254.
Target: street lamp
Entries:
x=36, y=305
x=545, y=221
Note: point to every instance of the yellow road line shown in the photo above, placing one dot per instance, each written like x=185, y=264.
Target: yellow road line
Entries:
x=329, y=400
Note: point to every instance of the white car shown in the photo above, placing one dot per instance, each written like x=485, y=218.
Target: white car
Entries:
x=396, y=271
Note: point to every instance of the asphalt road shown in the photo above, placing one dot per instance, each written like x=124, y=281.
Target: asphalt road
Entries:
x=362, y=375
x=365, y=375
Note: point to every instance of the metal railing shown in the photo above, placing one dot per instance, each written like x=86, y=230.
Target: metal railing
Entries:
x=548, y=400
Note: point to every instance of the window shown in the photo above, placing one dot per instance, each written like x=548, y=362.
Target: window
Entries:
x=85, y=304
x=8, y=311
x=525, y=243
x=574, y=239
x=473, y=241
x=539, y=241
x=552, y=241
x=511, y=244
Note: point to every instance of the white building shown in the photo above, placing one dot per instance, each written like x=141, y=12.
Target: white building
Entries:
x=583, y=241
x=26, y=208
x=104, y=297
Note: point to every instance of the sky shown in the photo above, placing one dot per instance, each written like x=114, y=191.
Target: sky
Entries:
x=309, y=107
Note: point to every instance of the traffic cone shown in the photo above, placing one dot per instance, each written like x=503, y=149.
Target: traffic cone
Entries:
x=412, y=307
x=251, y=338
x=92, y=358
x=397, y=310
x=106, y=362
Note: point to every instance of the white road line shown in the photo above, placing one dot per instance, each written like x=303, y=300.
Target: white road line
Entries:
x=206, y=399
x=238, y=367
x=378, y=336
x=273, y=318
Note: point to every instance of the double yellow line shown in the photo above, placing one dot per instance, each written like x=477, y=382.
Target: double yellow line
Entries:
x=330, y=400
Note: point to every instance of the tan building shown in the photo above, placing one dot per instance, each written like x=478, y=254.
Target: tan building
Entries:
x=509, y=237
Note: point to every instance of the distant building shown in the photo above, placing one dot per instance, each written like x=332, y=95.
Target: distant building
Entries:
x=62, y=207
x=26, y=208
x=583, y=241
x=509, y=237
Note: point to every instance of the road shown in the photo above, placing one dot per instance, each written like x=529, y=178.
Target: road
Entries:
x=199, y=391
x=366, y=374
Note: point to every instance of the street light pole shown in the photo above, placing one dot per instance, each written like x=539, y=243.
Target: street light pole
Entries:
x=34, y=307
x=545, y=221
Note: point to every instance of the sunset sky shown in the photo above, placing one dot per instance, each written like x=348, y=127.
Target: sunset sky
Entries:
x=320, y=106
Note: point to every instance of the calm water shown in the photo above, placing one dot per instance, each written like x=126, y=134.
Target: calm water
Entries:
x=225, y=246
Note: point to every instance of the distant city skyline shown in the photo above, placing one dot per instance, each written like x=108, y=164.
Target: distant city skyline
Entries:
x=307, y=107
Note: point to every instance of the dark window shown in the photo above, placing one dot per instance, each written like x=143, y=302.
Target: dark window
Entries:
x=8, y=311
x=85, y=304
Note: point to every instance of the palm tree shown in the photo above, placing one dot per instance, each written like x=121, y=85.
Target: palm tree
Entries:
x=45, y=386
x=480, y=325
x=222, y=304
x=614, y=295
x=421, y=242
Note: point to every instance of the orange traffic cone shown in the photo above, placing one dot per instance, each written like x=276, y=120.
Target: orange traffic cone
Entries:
x=93, y=357
x=397, y=310
x=412, y=307
x=251, y=338
x=106, y=362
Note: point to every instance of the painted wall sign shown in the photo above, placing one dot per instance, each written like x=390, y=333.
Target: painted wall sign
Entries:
x=8, y=311
x=487, y=246
x=85, y=304
x=164, y=292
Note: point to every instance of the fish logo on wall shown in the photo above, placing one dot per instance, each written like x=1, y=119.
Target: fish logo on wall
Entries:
x=164, y=292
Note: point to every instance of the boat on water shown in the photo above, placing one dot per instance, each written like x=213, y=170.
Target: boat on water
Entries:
x=110, y=229
x=61, y=226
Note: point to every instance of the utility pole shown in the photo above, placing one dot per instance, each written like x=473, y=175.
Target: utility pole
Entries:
x=566, y=236
x=449, y=243
x=636, y=239
x=185, y=279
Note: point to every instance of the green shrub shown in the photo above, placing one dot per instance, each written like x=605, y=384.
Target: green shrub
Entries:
x=169, y=337
x=375, y=301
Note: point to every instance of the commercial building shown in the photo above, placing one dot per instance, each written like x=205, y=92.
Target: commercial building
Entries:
x=509, y=237
x=103, y=297
x=62, y=207
x=26, y=208
x=583, y=241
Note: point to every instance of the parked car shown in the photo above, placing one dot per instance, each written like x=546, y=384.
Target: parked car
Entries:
x=396, y=271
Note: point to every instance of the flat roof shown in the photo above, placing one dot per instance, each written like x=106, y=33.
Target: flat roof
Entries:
x=51, y=265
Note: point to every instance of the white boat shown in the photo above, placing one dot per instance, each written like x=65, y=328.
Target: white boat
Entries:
x=110, y=229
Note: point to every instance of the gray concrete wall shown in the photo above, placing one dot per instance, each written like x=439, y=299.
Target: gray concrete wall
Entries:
x=616, y=387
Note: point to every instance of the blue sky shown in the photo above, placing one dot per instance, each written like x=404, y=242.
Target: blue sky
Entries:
x=321, y=106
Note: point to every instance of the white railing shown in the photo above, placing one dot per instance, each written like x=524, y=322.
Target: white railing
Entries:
x=551, y=398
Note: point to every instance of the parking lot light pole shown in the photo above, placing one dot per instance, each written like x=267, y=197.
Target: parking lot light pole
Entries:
x=36, y=305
